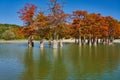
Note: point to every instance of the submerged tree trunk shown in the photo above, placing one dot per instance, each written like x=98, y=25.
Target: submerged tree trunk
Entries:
x=76, y=41
x=90, y=42
x=104, y=40
x=55, y=40
x=41, y=43
x=50, y=40
x=30, y=41
x=54, y=43
x=79, y=41
x=111, y=40
x=95, y=41
x=84, y=40
x=61, y=42
x=49, y=43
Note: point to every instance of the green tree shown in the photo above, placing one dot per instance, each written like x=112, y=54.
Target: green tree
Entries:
x=8, y=35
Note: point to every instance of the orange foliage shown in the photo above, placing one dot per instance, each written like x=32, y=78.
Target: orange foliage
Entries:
x=83, y=24
x=27, y=12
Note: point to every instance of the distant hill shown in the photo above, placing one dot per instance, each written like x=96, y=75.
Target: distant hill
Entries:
x=9, y=25
x=4, y=27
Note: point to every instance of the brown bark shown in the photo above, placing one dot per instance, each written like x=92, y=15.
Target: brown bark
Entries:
x=30, y=41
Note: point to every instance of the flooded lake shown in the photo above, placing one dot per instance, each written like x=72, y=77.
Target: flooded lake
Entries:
x=18, y=62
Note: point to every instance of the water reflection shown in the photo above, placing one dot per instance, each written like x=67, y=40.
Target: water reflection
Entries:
x=29, y=65
x=55, y=53
x=44, y=65
x=59, y=66
x=94, y=61
x=71, y=62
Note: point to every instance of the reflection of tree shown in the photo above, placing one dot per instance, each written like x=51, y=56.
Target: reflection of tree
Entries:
x=29, y=65
x=71, y=62
x=94, y=61
x=44, y=64
x=36, y=69
x=59, y=68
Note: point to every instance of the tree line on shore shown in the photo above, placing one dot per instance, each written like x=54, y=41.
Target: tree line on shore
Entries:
x=9, y=31
x=84, y=27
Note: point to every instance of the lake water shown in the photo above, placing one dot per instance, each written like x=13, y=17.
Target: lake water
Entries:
x=18, y=62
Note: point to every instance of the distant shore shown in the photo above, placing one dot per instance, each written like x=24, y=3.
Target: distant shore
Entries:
x=14, y=41
x=116, y=41
x=25, y=41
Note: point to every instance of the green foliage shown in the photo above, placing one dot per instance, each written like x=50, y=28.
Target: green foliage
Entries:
x=8, y=35
x=4, y=27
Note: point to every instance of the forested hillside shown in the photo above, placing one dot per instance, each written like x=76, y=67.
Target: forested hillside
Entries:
x=8, y=30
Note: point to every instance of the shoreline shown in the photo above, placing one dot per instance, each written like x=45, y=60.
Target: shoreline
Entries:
x=14, y=41
x=65, y=40
x=116, y=41
x=25, y=41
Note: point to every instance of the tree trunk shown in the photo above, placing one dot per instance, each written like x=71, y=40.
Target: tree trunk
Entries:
x=49, y=43
x=95, y=41
x=90, y=42
x=111, y=40
x=54, y=41
x=61, y=43
x=30, y=41
x=84, y=40
x=76, y=41
x=41, y=43
x=104, y=41
x=79, y=41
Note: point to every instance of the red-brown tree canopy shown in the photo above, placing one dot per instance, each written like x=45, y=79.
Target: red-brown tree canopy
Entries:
x=27, y=12
x=82, y=23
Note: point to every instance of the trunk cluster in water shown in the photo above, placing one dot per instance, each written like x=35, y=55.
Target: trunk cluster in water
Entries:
x=80, y=41
x=93, y=41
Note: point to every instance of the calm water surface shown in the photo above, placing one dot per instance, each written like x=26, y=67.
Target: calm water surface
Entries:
x=18, y=62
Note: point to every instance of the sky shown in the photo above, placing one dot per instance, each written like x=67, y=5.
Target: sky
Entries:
x=9, y=8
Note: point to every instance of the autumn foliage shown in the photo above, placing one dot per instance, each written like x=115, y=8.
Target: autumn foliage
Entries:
x=81, y=23
x=26, y=14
